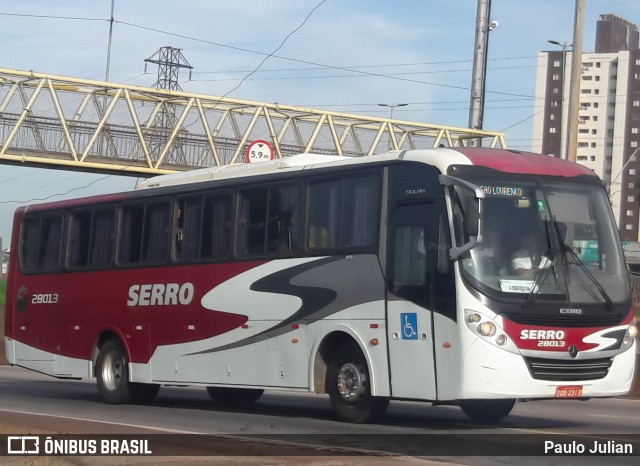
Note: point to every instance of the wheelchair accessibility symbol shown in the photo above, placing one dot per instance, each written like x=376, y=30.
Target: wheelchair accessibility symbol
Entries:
x=409, y=323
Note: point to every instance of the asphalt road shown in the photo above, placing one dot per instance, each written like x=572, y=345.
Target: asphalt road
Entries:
x=409, y=429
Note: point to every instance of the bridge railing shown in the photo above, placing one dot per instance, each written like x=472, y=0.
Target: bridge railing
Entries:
x=99, y=126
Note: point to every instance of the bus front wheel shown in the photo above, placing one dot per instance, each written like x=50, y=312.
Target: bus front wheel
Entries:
x=487, y=411
x=349, y=387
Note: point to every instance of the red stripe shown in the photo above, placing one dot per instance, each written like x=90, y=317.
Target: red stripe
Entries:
x=523, y=162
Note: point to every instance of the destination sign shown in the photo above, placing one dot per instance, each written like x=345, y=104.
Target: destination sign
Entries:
x=507, y=191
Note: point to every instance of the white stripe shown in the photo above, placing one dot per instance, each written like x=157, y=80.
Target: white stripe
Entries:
x=124, y=424
x=235, y=296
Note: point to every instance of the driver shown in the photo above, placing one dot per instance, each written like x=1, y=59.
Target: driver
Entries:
x=531, y=256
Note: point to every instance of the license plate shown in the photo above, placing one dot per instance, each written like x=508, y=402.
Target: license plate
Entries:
x=570, y=391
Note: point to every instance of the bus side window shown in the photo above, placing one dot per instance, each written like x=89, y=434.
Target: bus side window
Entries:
x=283, y=233
x=144, y=233
x=216, y=227
x=102, y=236
x=252, y=222
x=188, y=228
x=78, y=242
x=359, y=212
x=324, y=203
x=155, y=241
x=344, y=213
x=131, y=233
x=41, y=243
x=29, y=244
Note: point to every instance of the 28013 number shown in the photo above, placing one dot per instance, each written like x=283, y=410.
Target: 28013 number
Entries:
x=44, y=298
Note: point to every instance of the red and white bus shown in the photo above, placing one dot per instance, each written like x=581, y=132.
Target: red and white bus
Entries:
x=369, y=279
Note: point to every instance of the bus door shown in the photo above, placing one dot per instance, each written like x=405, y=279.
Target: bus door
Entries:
x=413, y=230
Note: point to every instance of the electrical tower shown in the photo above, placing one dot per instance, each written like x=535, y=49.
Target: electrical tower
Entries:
x=169, y=60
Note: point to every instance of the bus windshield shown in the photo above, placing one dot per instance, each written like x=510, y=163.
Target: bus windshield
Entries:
x=543, y=239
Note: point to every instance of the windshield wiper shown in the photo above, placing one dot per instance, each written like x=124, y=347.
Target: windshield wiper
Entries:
x=538, y=280
x=605, y=296
x=552, y=255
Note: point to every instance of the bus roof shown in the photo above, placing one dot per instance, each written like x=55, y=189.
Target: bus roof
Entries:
x=499, y=159
x=507, y=161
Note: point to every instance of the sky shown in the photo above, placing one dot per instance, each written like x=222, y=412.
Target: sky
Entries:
x=426, y=45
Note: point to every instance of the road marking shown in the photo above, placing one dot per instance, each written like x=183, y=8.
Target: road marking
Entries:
x=243, y=437
x=635, y=418
x=123, y=424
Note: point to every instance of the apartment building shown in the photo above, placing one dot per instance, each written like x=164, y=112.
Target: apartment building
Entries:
x=609, y=116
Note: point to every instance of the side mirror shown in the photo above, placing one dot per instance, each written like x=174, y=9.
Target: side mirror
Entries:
x=472, y=217
x=472, y=211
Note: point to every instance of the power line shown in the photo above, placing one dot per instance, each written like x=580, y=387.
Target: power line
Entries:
x=73, y=18
x=57, y=194
x=308, y=62
x=277, y=48
x=387, y=65
x=521, y=121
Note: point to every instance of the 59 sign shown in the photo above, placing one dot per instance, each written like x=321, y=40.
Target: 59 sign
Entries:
x=259, y=151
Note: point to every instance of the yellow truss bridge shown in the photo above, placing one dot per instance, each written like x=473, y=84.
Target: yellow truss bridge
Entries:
x=77, y=124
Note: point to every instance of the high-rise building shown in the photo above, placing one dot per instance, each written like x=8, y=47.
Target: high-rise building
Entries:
x=609, y=116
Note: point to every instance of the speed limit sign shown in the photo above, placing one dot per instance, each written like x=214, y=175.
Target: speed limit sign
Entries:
x=259, y=151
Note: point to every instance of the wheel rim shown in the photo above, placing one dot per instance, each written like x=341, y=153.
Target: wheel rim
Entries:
x=112, y=371
x=352, y=382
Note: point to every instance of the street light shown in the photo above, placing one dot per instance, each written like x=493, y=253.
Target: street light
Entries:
x=392, y=143
x=392, y=106
x=565, y=46
x=632, y=158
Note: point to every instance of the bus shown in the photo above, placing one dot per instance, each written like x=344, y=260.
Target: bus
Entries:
x=388, y=277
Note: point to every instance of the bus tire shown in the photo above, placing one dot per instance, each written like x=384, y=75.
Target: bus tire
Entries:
x=112, y=373
x=225, y=395
x=144, y=392
x=349, y=389
x=487, y=411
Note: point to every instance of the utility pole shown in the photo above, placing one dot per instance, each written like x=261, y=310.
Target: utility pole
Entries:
x=574, y=87
x=563, y=111
x=106, y=74
x=483, y=26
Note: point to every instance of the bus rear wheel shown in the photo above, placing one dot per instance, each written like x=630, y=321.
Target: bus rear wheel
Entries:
x=225, y=395
x=487, y=411
x=112, y=373
x=349, y=388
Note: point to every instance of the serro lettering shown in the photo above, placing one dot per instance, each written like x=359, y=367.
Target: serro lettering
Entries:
x=160, y=294
x=542, y=334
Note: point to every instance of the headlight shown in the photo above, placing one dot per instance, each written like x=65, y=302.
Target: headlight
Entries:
x=629, y=336
x=474, y=318
x=487, y=329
